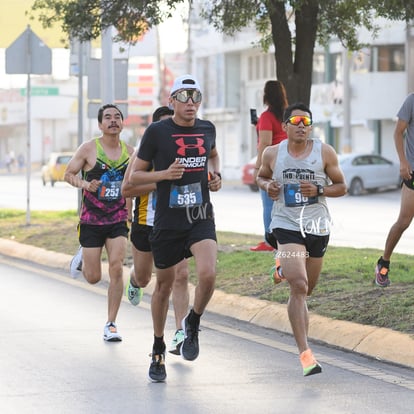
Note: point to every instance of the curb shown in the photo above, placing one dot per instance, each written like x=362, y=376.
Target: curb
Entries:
x=379, y=343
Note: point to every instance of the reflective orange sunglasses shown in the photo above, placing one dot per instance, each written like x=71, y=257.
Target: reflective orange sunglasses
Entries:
x=297, y=119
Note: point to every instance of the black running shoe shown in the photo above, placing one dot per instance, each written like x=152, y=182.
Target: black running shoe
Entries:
x=189, y=348
x=157, y=371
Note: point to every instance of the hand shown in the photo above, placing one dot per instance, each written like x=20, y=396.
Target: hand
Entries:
x=273, y=190
x=214, y=182
x=93, y=186
x=308, y=189
x=405, y=170
x=175, y=171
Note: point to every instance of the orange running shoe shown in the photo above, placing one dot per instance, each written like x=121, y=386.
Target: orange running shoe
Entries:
x=276, y=275
x=309, y=364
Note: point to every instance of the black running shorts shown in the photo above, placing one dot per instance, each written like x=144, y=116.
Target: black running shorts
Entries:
x=91, y=235
x=169, y=247
x=410, y=183
x=140, y=237
x=315, y=245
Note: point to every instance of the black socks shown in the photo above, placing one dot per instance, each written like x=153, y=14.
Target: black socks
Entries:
x=384, y=263
x=194, y=319
x=133, y=283
x=159, y=345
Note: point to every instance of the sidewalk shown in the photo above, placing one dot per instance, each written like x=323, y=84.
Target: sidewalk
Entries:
x=379, y=343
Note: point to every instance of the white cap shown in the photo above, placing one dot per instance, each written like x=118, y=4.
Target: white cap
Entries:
x=185, y=82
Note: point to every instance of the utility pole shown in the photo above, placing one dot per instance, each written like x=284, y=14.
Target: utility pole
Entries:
x=28, y=55
x=107, y=68
x=347, y=147
x=80, y=107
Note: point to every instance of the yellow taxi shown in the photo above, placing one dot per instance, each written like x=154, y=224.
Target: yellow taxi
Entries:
x=55, y=168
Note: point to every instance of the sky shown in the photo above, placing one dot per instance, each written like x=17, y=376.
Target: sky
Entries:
x=14, y=21
x=173, y=35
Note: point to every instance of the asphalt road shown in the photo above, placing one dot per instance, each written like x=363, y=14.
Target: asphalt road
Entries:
x=54, y=360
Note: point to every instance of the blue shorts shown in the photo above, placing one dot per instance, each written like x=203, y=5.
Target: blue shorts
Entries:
x=169, y=247
x=315, y=245
x=92, y=235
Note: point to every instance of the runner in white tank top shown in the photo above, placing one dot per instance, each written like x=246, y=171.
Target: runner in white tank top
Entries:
x=298, y=174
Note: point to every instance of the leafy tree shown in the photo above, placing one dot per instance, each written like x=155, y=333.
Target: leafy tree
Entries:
x=292, y=26
x=86, y=19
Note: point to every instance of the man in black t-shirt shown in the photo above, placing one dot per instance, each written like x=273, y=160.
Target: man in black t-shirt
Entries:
x=186, y=163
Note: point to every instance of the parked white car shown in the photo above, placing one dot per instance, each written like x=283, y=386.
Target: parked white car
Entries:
x=369, y=172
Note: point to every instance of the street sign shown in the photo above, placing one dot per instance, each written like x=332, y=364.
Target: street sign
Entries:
x=28, y=54
x=41, y=91
x=120, y=79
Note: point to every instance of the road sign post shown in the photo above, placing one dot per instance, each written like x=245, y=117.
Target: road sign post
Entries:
x=28, y=54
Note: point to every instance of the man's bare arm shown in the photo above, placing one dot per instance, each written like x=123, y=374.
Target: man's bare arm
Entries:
x=78, y=163
x=140, y=175
x=134, y=190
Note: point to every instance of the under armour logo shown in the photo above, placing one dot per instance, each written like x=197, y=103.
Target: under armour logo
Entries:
x=198, y=144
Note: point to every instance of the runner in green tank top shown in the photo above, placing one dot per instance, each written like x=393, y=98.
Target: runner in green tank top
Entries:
x=98, y=167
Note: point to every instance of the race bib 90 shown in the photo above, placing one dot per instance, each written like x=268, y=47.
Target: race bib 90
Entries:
x=294, y=198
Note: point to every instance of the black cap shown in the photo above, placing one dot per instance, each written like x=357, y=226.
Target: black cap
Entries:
x=161, y=111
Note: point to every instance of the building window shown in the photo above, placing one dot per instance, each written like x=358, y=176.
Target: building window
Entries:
x=387, y=58
x=265, y=73
x=336, y=67
x=261, y=67
x=250, y=68
x=382, y=58
x=257, y=70
x=361, y=60
x=319, y=69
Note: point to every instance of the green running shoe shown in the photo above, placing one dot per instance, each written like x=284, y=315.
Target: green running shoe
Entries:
x=177, y=342
x=134, y=294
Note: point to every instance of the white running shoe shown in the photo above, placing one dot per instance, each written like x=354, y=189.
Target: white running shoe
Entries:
x=76, y=264
x=111, y=333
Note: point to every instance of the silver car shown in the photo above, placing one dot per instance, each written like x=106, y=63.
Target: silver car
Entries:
x=368, y=172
